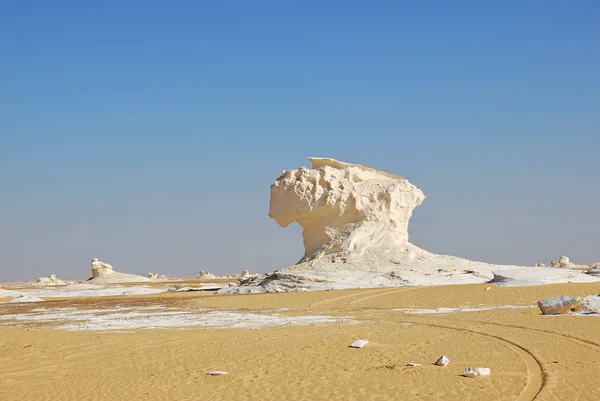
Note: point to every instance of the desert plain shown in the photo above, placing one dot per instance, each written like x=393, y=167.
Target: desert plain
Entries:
x=295, y=346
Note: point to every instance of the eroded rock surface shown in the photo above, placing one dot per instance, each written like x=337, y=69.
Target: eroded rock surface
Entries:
x=355, y=233
x=103, y=272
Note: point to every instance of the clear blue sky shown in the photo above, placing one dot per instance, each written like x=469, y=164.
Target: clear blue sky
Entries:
x=148, y=133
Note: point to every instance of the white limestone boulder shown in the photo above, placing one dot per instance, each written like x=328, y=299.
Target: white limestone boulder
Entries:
x=591, y=304
x=442, y=361
x=560, y=305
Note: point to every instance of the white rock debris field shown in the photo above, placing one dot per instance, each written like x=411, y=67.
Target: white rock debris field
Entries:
x=355, y=230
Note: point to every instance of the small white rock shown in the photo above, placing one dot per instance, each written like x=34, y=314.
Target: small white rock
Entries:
x=488, y=288
x=413, y=364
x=474, y=372
x=216, y=372
x=359, y=343
x=442, y=361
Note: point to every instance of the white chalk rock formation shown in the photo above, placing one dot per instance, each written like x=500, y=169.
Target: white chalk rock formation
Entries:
x=442, y=361
x=540, y=265
x=48, y=281
x=152, y=275
x=206, y=275
x=104, y=273
x=560, y=305
x=355, y=230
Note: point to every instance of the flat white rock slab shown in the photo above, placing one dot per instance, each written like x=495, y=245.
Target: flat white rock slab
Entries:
x=216, y=372
x=359, y=343
x=526, y=276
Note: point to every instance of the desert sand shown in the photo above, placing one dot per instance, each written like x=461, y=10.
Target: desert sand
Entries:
x=275, y=356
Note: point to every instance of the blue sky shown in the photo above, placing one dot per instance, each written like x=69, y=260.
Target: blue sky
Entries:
x=148, y=133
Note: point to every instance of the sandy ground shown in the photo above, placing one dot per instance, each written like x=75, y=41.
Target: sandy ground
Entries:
x=531, y=356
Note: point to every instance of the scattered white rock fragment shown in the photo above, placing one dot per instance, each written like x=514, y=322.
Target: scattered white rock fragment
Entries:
x=359, y=343
x=412, y=365
x=560, y=305
x=488, y=288
x=216, y=372
x=442, y=361
x=474, y=372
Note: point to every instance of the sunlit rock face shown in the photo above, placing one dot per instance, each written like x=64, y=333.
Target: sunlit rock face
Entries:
x=103, y=272
x=345, y=208
x=100, y=269
x=355, y=232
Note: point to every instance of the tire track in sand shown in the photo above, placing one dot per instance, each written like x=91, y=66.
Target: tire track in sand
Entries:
x=585, y=343
x=362, y=295
x=536, y=376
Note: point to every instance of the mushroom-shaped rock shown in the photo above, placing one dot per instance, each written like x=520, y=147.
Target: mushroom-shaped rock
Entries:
x=344, y=207
x=355, y=233
x=560, y=305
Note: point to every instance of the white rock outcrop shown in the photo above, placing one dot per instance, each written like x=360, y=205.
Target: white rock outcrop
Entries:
x=104, y=273
x=355, y=233
x=205, y=275
x=50, y=280
x=560, y=305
